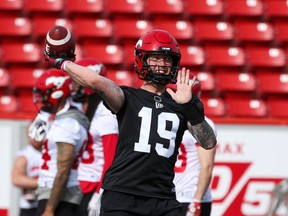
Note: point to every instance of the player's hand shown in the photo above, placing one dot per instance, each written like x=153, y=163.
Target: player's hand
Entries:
x=39, y=127
x=183, y=93
x=194, y=209
x=56, y=62
x=95, y=204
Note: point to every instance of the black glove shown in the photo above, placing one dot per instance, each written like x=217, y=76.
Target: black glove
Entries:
x=193, y=111
x=57, y=62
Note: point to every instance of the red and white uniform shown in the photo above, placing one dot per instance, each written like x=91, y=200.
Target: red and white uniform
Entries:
x=33, y=158
x=187, y=169
x=104, y=131
x=67, y=130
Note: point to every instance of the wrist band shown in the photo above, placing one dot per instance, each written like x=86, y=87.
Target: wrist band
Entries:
x=63, y=65
x=193, y=111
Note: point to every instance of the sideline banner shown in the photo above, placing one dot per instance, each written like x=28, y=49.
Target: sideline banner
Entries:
x=250, y=160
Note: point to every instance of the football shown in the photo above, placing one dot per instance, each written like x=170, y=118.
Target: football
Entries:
x=60, y=43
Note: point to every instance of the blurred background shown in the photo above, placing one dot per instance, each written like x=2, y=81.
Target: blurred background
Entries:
x=237, y=48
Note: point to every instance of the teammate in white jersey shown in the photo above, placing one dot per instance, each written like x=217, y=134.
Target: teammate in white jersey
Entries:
x=193, y=172
x=58, y=187
x=99, y=152
x=24, y=176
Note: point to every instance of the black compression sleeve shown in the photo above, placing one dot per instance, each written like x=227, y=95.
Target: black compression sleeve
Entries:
x=193, y=111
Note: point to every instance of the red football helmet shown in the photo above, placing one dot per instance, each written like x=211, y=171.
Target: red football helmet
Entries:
x=60, y=43
x=156, y=42
x=196, y=89
x=51, y=88
x=97, y=67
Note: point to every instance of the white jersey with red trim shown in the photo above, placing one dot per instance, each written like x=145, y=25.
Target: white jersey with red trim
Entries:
x=33, y=158
x=187, y=169
x=67, y=130
x=91, y=165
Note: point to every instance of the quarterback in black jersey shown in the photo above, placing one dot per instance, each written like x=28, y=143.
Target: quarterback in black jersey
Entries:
x=152, y=120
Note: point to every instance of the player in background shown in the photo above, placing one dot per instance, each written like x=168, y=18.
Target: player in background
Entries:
x=25, y=176
x=193, y=172
x=58, y=188
x=151, y=122
x=99, y=153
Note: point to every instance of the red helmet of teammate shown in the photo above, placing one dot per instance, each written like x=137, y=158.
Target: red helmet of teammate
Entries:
x=52, y=88
x=156, y=42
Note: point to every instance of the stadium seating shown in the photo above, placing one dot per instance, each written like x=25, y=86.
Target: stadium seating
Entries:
x=229, y=56
x=15, y=26
x=124, y=7
x=214, y=107
x=276, y=8
x=207, y=80
x=131, y=28
x=192, y=56
x=164, y=7
x=194, y=8
x=281, y=31
x=4, y=77
x=8, y=104
x=92, y=28
x=40, y=6
x=243, y=107
x=277, y=107
x=25, y=104
x=18, y=52
x=10, y=6
x=253, y=31
x=272, y=82
x=84, y=7
x=265, y=56
x=235, y=81
x=121, y=77
x=213, y=30
x=109, y=54
x=182, y=29
x=246, y=9
x=24, y=77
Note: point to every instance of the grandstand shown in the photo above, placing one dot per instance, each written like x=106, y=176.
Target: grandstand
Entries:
x=237, y=47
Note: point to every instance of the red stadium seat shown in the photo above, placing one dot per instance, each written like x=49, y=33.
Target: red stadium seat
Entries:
x=24, y=77
x=8, y=104
x=192, y=55
x=110, y=54
x=229, y=56
x=277, y=107
x=276, y=8
x=131, y=28
x=265, y=56
x=15, y=26
x=42, y=24
x=243, y=107
x=281, y=31
x=49, y=6
x=203, y=7
x=164, y=7
x=253, y=31
x=8, y=5
x=92, y=27
x=213, y=30
x=235, y=8
x=83, y=7
x=4, y=77
x=18, y=52
x=25, y=104
x=272, y=83
x=126, y=7
x=181, y=29
x=129, y=46
x=235, y=81
x=121, y=77
x=207, y=80
x=214, y=107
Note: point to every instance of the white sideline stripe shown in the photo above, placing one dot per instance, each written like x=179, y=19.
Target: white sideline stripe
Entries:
x=59, y=42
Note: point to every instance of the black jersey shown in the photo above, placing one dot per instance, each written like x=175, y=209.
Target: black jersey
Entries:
x=150, y=131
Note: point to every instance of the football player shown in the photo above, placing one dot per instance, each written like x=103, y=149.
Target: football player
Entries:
x=152, y=121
